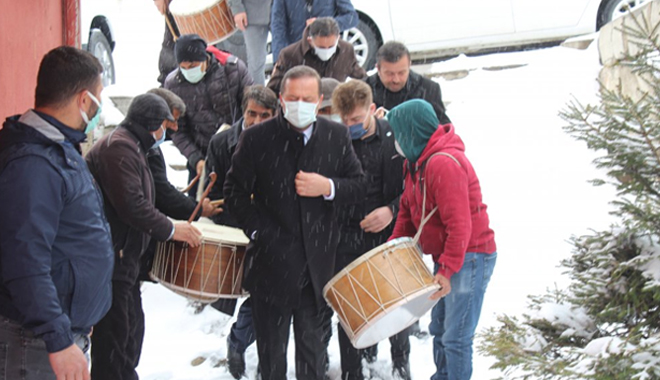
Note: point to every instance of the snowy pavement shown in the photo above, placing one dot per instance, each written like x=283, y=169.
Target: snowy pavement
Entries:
x=533, y=176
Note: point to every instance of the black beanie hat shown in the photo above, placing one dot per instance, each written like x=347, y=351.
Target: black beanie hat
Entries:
x=190, y=48
x=149, y=111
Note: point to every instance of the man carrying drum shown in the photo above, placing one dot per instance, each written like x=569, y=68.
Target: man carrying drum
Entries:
x=211, y=83
x=441, y=182
x=119, y=164
x=368, y=224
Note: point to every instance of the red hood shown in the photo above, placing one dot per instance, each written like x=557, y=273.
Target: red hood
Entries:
x=443, y=140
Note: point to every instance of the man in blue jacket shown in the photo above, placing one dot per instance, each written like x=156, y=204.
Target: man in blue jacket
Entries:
x=289, y=18
x=56, y=253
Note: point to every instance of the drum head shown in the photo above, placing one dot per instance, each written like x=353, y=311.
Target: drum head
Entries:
x=396, y=318
x=218, y=233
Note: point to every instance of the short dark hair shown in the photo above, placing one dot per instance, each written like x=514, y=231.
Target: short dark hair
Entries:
x=392, y=52
x=262, y=95
x=173, y=100
x=298, y=72
x=351, y=95
x=64, y=72
x=324, y=27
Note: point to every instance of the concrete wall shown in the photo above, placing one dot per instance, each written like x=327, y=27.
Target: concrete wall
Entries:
x=614, y=45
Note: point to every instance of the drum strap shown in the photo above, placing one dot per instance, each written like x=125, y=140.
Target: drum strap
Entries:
x=425, y=218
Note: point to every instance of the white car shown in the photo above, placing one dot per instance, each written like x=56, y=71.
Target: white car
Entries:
x=435, y=28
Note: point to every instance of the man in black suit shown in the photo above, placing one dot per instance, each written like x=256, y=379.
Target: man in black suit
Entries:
x=297, y=169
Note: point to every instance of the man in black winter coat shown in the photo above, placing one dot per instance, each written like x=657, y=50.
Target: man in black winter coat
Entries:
x=169, y=200
x=394, y=83
x=259, y=105
x=211, y=83
x=119, y=165
x=368, y=224
x=287, y=176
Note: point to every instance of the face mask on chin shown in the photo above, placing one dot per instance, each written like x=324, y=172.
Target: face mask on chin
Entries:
x=193, y=75
x=91, y=124
x=300, y=114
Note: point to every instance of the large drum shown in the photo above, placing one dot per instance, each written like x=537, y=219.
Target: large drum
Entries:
x=381, y=293
x=208, y=272
x=211, y=19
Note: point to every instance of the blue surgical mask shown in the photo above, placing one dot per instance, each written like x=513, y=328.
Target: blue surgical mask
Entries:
x=193, y=75
x=300, y=114
x=159, y=140
x=357, y=131
x=94, y=122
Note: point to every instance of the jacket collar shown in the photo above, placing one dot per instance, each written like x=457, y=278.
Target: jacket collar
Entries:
x=143, y=137
x=236, y=129
x=52, y=128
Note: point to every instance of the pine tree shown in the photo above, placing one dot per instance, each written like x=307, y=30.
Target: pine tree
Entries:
x=606, y=325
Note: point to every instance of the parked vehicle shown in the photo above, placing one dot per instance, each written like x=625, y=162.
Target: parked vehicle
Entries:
x=446, y=27
x=97, y=35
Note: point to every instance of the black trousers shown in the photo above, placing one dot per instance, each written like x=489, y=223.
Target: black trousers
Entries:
x=117, y=338
x=272, y=324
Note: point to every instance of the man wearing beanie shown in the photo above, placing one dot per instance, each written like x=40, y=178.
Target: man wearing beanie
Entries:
x=119, y=165
x=211, y=83
x=440, y=182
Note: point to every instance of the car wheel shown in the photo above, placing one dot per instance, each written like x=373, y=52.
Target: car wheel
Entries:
x=364, y=42
x=613, y=9
x=98, y=45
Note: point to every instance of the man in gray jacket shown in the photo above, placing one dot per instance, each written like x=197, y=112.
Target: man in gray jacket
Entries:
x=253, y=18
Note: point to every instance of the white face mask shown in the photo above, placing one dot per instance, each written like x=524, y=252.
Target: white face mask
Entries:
x=326, y=54
x=193, y=75
x=300, y=114
x=398, y=149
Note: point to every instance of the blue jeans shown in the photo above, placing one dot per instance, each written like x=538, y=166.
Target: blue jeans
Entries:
x=454, y=318
x=24, y=357
x=242, y=334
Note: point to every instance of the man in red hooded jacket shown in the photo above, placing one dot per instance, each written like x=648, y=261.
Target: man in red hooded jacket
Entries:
x=440, y=180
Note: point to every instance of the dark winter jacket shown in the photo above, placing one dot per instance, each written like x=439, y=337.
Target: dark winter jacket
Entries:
x=218, y=160
x=460, y=224
x=294, y=238
x=213, y=101
x=417, y=87
x=288, y=19
x=119, y=164
x=55, y=247
x=340, y=66
x=166, y=60
x=383, y=168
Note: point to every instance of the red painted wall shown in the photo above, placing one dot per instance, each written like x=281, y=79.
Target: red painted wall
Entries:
x=28, y=30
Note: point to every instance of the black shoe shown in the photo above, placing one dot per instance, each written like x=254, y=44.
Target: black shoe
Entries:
x=370, y=354
x=235, y=362
x=417, y=332
x=401, y=370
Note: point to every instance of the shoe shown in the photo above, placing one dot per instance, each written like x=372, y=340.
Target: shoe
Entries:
x=417, y=332
x=370, y=354
x=401, y=370
x=235, y=362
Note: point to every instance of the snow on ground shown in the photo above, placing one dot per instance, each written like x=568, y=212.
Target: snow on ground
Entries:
x=533, y=176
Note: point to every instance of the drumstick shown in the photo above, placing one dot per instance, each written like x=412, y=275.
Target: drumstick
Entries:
x=212, y=178
x=192, y=183
x=218, y=202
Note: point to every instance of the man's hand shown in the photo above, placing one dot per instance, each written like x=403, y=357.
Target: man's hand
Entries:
x=208, y=209
x=309, y=21
x=312, y=185
x=200, y=166
x=187, y=233
x=161, y=5
x=240, y=19
x=377, y=220
x=445, y=287
x=70, y=363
